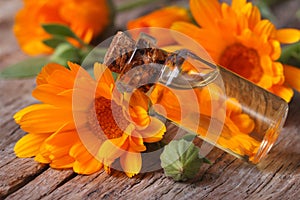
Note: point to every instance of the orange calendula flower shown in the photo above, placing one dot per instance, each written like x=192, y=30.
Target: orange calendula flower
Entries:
x=86, y=18
x=237, y=38
x=162, y=18
x=80, y=124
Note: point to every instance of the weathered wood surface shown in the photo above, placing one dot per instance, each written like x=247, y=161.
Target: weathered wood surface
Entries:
x=276, y=177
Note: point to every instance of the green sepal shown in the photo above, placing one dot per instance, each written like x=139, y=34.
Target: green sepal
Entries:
x=59, y=29
x=93, y=54
x=26, y=68
x=90, y=71
x=180, y=160
x=205, y=160
x=55, y=41
x=64, y=53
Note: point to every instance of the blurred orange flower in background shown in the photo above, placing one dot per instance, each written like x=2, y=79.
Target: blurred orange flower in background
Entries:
x=85, y=18
x=238, y=39
x=165, y=15
x=162, y=18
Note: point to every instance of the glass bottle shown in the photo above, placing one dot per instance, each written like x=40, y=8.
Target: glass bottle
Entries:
x=200, y=97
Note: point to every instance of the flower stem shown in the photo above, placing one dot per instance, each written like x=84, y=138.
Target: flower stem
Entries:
x=133, y=4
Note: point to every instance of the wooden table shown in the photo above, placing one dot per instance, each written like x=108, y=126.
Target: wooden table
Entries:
x=276, y=177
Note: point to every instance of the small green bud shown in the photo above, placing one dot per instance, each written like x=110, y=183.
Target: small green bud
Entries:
x=180, y=160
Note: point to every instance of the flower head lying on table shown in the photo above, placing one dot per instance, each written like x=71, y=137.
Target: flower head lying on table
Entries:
x=83, y=134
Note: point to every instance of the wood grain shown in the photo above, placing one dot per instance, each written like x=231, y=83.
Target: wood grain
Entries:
x=276, y=177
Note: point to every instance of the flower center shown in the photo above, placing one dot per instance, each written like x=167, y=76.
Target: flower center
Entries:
x=109, y=116
x=243, y=61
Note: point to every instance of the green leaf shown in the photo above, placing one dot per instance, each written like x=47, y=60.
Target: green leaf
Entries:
x=265, y=10
x=298, y=14
x=62, y=31
x=55, y=41
x=58, y=29
x=132, y=5
x=90, y=55
x=94, y=54
x=64, y=53
x=290, y=54
x=189, y=137
x=26, y=68
x=115, y=75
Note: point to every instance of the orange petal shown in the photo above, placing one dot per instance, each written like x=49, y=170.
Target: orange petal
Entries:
x=103, y=74
x=264, y=27
x=254, y=17
x=276, y=49
x=154, y=132
x=63, y=162
x=160, y=18
x=139, y=98
x=138, y=107
x=266, y=63
x=244, y=123
x=42, y=159
x=89, y=167
x=233, y=106
x=58, y=78
x=172, y=48
x=46, y=71
x=292, y=76
x=104, y=81
x=74, y=67
x=278, y=76
x=209, y=48
x=53, y=95
x=57, y=148
x=30, y=144
x=231, y=126
x=139, y=116
x=288, y=35
x=88, y=35
x=131, y=163
x=283, y=91
x=167, y=102
x=237, y=5
x=112, y=149
x=43, y=118
x=62, y=138
x=89, y=140
x=206, y=13
x=84, y=163
x=136, y=142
